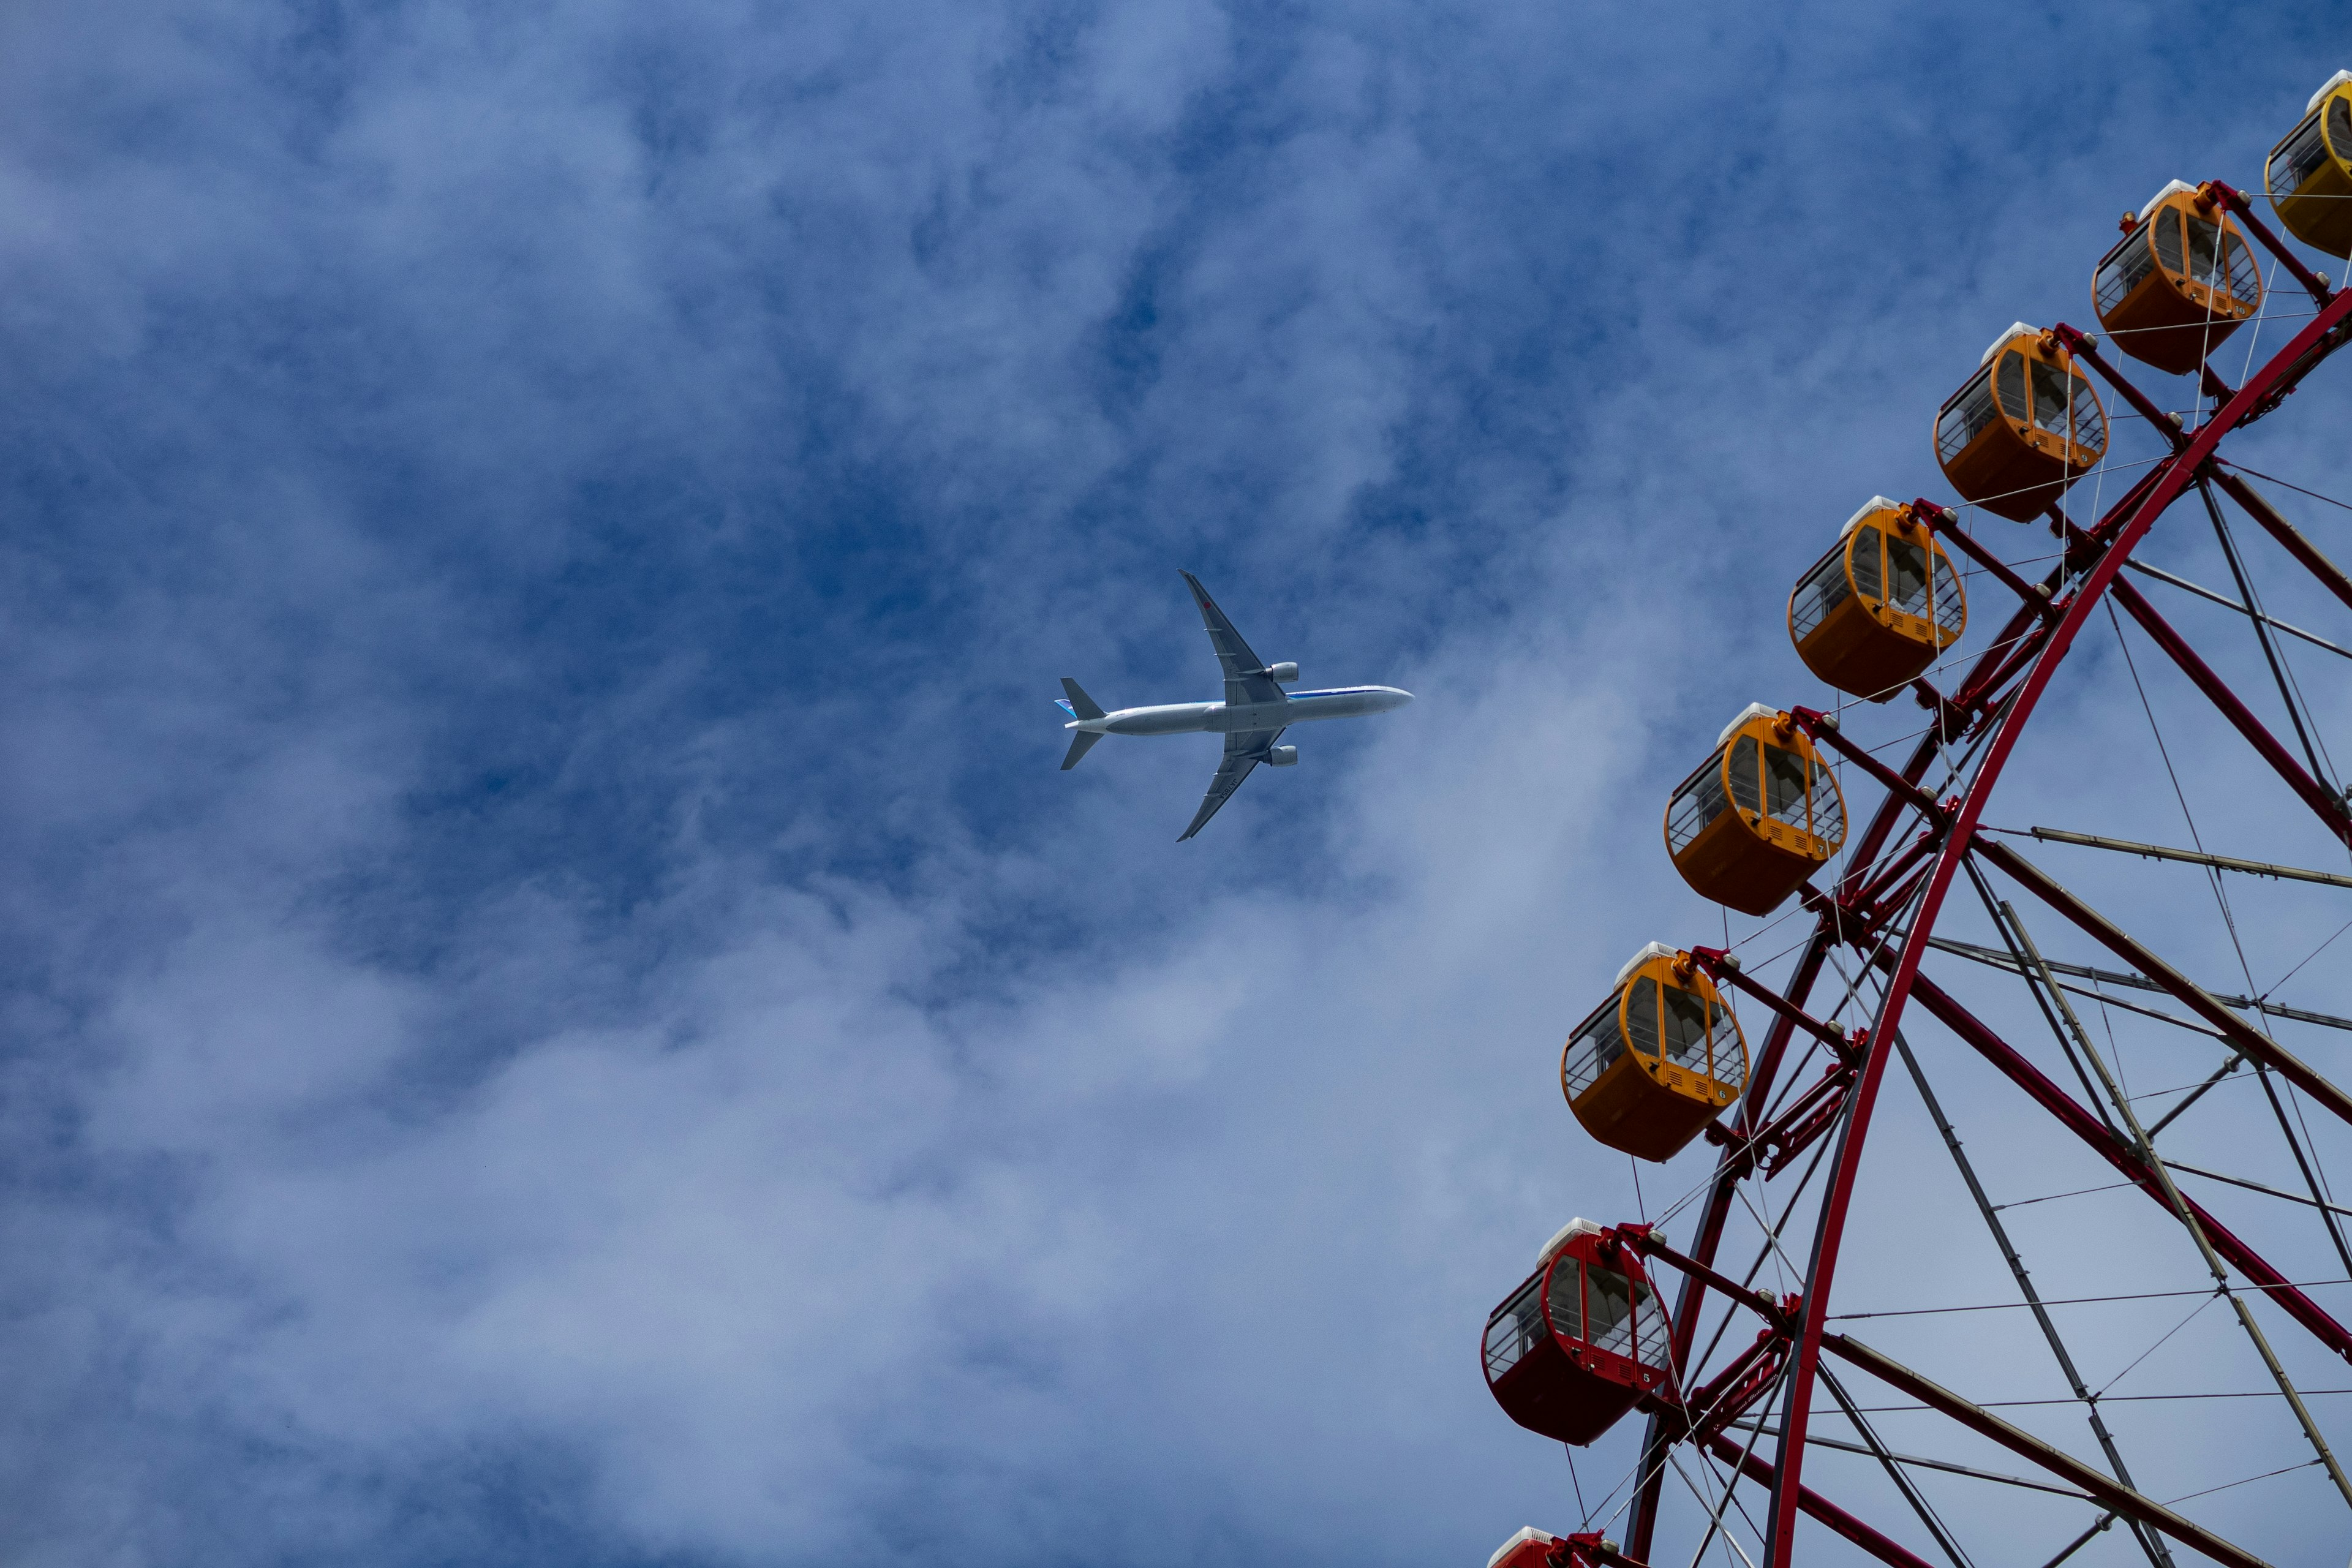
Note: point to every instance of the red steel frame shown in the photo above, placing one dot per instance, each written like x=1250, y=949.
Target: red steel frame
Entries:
x=2035, y=641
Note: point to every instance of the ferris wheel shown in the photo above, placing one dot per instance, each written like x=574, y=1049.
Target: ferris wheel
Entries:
x=2106, y=1316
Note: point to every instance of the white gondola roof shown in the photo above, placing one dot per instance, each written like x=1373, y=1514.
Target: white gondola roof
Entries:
x=1575, y=1227
x=1750, y=711
x=2169, y=186
x=1649, y=951
x=1875, y=503
x=2330, y=85
x=1526, y=1534
x=2016, y=329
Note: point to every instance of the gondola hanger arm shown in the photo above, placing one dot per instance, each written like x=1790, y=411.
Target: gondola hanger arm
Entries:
x=2243, y=211
x=1590, y=1550
x=2082, y=346
x=1823, y=728
x=1944, y=521
x=1724, y=968
x=1641, y=1238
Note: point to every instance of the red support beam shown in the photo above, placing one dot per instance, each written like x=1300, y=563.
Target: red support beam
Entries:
x=2119, y=531
x=1645, y=1241
x=1897, y=868
x=2313, y=559
x=2087, y=349
x=1946, y=522
x=2243, y=210
x=1724, y=968
x=2108, y=934
x=2067, y=1113
x=1822, y=727
x=1884, y=1548
x=1977, y=693
x=2314, y=795
x=1738, y=1157
x=2024, y=1445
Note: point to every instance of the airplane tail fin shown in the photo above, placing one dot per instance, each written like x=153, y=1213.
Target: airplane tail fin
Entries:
x=1081, y=744
x=1080, y=704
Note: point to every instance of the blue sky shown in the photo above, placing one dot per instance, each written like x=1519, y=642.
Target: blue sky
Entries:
x=559, y=1010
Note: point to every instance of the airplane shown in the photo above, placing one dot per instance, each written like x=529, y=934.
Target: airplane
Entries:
x=1253, y=716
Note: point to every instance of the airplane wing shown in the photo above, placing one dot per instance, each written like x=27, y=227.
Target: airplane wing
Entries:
x=1245, y=678
x=1245, y=748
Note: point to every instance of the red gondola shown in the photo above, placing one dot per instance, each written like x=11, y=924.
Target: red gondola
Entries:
x=1581, y=1341
x=1533, y=1548
x=1530, y=1548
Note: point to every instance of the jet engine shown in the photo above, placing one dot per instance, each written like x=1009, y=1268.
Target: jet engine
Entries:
x=1285, y=672
x=1281, y=756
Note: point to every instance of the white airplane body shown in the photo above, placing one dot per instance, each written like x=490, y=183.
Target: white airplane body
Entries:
x=1253, y=716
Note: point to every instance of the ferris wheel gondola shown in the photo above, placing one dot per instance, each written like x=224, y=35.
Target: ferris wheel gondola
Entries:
x=1875, y=611
x=2179, y=283
x=1657, y=1061
x=1763, y=820
x=2022, y=429
x=2309, y=174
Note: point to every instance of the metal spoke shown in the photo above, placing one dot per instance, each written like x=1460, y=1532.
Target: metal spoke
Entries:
x=2081, y=1541
x=2257, y=1187
x=2309, y=555
x=2195, y=858
x=1894, y=1472
x=1977, y=724
x=2240, y=1034
x=2227, y=602
x=1817, y=1441
x=2125, y=1158
x=1716, y=1518
x=2137, y=982
x=2023, y=1444
x=2189, y=1221
x=2237, y=1059
x=2149, y=1542
x=2327, y=1210
x=2262, y=635
x=2033, y=982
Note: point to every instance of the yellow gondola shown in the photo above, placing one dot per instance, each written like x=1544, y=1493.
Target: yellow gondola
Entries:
x=1877, y=609
x=1758, y=817
x=2179, y=282
x=2023, y=428
x=2310, y=173
x=1658, y=1060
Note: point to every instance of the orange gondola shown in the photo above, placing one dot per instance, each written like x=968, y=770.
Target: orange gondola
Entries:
x=2181, y=280
x=2022, y=429
x=1876, y=610
x=1657, y=1061
x=1580, y=1341
x=2310, y=173
x=1758, y=817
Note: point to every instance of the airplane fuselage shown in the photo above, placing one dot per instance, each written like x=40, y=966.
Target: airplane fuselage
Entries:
x=1190, y=718
x=1252, y=719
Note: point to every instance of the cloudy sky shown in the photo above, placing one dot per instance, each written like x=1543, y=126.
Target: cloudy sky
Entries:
x=558, y=1008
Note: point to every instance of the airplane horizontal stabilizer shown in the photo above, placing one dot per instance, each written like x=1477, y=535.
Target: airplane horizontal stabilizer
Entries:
x=1081, y=744
x=1083, y=706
